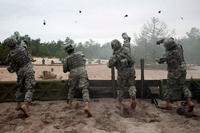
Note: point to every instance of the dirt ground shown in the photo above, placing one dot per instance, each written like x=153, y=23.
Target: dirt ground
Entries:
x=101, y=72
x=55, y=117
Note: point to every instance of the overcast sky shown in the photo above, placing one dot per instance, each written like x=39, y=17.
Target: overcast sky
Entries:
x=100, y=20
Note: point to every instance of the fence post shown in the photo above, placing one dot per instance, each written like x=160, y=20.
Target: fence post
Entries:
x=142, y=77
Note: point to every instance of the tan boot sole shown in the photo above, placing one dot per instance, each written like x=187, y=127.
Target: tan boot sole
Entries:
x=88, y=113
x=133, y=105
x=118, y=107
x=190, y=108
x=24, y=110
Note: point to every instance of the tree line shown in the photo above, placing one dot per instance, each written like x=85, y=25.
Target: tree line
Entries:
x=143, y=45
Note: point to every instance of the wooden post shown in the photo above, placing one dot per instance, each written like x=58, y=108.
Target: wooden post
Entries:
x=142, y=77
x=113, y=81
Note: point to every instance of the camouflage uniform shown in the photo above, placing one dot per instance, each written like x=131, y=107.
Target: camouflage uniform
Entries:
x=20, y=62
x=75, y=64
x=124, y=63
x=176, y=67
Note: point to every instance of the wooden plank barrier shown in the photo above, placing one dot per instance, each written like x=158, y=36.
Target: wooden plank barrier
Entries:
x=56, y=89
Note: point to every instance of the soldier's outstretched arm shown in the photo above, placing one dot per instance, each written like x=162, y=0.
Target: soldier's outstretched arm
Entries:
x=162, y=59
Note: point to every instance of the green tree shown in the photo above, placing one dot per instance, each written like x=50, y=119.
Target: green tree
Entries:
x=146, y=41
x=191, y=45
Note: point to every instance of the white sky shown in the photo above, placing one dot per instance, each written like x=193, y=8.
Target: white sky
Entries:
x=100, y=20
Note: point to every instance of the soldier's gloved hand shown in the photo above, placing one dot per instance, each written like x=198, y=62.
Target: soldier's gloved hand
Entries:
x=160, y=60
x=125, y=36
x=157, y=60
x=111, y=62
x=160, y=41
x=10, y=69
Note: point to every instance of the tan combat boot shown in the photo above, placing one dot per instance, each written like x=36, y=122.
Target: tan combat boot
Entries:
x=18, y=106
x=24, y=108
x=168, y=105
x=133, y=101
x=70, y=104
x=119, y=105
x=87, y=109
x=190, y=104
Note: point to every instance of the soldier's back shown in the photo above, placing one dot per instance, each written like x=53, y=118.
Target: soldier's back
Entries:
x=76, y=63
x=19, y=56
x=175, y=58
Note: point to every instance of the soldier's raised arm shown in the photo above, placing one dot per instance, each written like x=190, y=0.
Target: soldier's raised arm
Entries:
x=163, y=59
x=127, y=42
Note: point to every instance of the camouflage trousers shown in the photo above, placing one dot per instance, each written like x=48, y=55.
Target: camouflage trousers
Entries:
x=126, y=80
x=25, y=80
x=78, y=79
x=176, y=80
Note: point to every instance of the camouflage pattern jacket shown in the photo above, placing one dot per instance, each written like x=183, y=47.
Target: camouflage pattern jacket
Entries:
x=175, y=59
x=121, y=59
x=18, y=60
x=73, y=61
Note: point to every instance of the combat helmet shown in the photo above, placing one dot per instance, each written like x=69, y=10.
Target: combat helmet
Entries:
x=115, y=44
x=169, y=44
x=11, y=42
x=69, y=48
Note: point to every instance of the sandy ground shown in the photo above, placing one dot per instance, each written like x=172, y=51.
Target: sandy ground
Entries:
x=55, y=117
x=95, y=72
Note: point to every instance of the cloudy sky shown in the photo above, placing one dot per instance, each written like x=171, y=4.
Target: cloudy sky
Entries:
x=100, y=20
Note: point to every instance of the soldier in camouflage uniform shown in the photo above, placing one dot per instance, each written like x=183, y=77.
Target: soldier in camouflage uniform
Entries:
x=75, y=64
x=176, y=67
x=20, y=62
x=124, y=64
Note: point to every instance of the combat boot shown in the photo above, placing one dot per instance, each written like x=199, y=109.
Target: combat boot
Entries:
x=190, y=104
x=70, y=104
x=168, y=105
x=87, y=109
x=119, y=105
x=24, y=108
x=18, y=106
x=133, y=101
